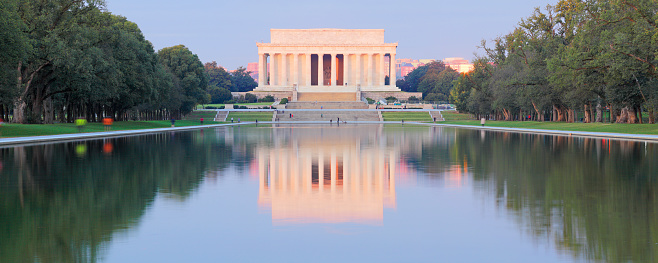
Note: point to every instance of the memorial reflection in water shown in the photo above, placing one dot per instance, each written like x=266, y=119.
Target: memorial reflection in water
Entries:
x=327, y=177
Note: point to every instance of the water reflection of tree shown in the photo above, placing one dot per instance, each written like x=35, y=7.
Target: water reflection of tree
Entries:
x=596, y=198
x=57, y=207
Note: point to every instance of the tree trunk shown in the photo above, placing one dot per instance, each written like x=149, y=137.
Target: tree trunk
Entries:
x=652, y=119
x=599, y=113
x=623, y=116
x=559, y=113
x=613, y=114
x=639, y=112
x=48, y=111
x=632, y=115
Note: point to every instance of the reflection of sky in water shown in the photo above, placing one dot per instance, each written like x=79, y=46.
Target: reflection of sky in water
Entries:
x=295, y=207
x=354, y=193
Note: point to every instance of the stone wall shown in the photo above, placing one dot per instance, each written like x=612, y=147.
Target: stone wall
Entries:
x=262, y=94
x=377, y=95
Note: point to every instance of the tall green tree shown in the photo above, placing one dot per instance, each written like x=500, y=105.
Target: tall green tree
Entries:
x=15, y=48
x=241, y=80
x=219, y=83
x=190, y=80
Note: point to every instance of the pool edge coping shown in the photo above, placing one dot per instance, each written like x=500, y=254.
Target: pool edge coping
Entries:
x=96, y=135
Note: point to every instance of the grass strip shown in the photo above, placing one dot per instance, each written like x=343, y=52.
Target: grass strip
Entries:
x=406, y=116
x=585, y=127
x=250, y=115
x=22, y=130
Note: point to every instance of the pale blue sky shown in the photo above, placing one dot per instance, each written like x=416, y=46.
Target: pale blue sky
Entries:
x=227, y=31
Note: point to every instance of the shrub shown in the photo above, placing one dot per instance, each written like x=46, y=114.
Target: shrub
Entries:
x=413, y=98
x=370, y=101
x=268, y=98
x=210, y=107
x=284, y=101
x=242, y=107
x=250, y=98
x=391, y=99
x=222, y=107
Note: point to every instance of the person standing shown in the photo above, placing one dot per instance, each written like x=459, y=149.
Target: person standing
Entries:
x=173, y=122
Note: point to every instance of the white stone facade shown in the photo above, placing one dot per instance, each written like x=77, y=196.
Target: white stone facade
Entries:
x=326, y=60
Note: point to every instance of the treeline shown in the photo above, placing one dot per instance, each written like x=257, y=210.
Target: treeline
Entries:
x=434, y=80
x=61, y=60
x=222, y=83
x=576, y=59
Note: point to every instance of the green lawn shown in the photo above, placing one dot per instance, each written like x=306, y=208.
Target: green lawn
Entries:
x=455, y=116
x=250, y=115
x=255, y=104
x=406, y=116
x=588, y=127
x=207, y=115
x=21, y=130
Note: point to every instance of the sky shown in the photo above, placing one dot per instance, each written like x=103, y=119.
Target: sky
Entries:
x=227, y=31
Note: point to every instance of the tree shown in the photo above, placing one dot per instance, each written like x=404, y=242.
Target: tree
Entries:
x=219, y=95
x=241, y=80
x=250, y=98
x=217, y=76
x=190, y=81
x=15, y=48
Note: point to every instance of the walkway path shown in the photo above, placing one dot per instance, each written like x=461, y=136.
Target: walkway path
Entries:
x=95, y=135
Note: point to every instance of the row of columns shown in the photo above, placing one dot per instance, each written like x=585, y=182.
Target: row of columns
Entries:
x=365, y=72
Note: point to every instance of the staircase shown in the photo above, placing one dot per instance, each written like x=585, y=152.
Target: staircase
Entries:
x=437, y=115
x=326, y=96
x=346, y=105
x=328, y=115
x=221, y=115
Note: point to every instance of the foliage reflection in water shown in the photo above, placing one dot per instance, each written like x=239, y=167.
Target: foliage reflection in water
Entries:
x=377, y=192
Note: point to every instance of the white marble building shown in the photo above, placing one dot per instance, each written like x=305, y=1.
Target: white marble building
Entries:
x=343, y=62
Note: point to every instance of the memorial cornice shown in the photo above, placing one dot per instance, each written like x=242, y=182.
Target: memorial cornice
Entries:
x=327, y=49
x=326, y=45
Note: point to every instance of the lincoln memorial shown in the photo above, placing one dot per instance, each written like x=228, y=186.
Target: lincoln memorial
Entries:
x=327, y=65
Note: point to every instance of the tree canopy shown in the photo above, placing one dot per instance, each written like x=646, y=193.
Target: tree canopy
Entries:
x=66, y=59
x=569, y=61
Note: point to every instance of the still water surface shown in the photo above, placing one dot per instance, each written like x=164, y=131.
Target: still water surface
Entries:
x=365, y=193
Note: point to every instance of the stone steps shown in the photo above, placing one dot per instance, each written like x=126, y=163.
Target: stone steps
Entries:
x=326, y=96
x=437, y=115
x=221, y=115
x=329, y=115
x=327, y=105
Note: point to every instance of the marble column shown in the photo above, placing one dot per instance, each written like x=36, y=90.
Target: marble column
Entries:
x=346, y=72
x=357, y=69
x=261, y=73
x=393, y=69
x=284, y=69
x=307, y=72
x=370, y=69
x=381, y=72
x=295, y=66
x=333, y=70
x=320, y=70
x=274, y=68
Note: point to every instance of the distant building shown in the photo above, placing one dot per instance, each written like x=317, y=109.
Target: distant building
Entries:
x=404, y=66
x=459, y=64
x=253, y=68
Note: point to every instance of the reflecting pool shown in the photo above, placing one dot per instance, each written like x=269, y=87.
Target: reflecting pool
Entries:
x=351, y=193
